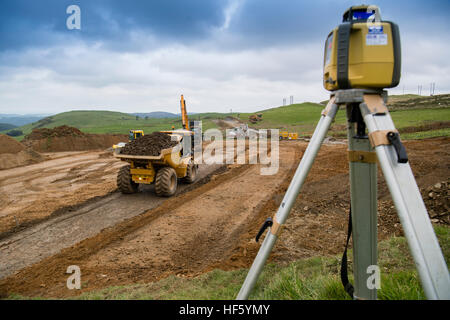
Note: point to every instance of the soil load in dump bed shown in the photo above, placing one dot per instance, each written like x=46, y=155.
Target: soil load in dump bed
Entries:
x=149, y=145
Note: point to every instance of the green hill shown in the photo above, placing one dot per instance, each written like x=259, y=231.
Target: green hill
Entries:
x=414, y=116
x=425, y=117
x=107, y=122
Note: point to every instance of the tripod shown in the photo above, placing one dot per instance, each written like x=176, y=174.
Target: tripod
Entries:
x=366, y=109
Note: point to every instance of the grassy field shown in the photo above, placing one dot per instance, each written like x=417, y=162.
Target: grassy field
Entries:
x=112, y=122
x=301, y=118
x=315, y=278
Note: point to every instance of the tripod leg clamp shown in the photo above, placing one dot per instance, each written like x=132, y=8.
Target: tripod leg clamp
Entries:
x=389, y=137
x=275, y=228
x=379, y=138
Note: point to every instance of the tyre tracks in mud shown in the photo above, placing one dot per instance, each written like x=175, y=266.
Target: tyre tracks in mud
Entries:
x=70, y=225
x=186, y=240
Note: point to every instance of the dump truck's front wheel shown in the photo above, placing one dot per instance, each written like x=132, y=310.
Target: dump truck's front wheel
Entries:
x=166, y=182
x=191, y=174
x=124, y=182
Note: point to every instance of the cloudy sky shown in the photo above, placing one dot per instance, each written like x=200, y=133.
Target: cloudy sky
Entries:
x=244, y=55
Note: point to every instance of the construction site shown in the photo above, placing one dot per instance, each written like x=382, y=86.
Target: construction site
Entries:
x=63, y=208
x=295, y=202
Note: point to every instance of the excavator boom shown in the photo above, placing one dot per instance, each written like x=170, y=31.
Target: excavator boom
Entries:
x=184, y=116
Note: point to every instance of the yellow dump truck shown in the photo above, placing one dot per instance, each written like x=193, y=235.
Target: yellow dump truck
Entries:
x=163, y=170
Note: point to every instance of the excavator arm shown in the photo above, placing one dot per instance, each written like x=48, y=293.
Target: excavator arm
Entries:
x=184, y=116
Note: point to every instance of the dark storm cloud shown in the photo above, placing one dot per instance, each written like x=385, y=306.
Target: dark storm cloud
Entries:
x=254, y=24
x=42, y=23
x=287, y=22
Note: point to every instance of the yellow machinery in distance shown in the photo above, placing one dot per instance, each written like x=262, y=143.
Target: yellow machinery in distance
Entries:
x=134, y=134
x=285, y=135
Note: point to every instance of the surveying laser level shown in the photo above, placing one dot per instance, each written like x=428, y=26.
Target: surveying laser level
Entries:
x=362, y=52
x=360, y=60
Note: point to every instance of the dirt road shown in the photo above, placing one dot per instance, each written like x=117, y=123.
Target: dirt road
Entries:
x=72, y=225
x=32, y=193
x=190, y=230
x=49, y=186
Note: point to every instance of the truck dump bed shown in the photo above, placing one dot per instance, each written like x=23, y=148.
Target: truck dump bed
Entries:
x=158, y=157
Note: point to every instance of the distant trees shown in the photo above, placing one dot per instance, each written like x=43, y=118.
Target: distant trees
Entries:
x=14, y=133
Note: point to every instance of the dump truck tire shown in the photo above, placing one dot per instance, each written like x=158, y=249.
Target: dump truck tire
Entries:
x=124, y=182
x=166, y=182
x=191, y=174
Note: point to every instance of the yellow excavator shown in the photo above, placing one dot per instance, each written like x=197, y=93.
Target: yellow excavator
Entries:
x=165, y=169
x=134, y=134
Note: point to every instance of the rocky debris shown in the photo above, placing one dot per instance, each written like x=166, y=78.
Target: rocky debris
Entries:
x=437, y=201
x=61, y=131
x=149, y=145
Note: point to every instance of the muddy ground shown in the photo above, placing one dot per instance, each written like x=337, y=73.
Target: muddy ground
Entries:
x=213, y=225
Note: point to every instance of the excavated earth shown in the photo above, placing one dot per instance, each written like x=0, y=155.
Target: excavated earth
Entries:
x=213, y=224
x=66, y=138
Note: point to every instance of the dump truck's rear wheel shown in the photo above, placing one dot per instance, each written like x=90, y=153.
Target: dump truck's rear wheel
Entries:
x=166, y=182
x=124, y=182
x=191, y=174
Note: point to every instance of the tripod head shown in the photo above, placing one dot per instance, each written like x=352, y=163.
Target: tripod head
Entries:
x=363, y=52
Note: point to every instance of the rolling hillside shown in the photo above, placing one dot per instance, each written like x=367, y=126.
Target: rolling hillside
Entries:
x=414, y=116
x=107, y=122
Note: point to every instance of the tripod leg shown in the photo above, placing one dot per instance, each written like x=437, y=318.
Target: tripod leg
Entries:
x=289, y=198
x=363, y=190
x=408, y=201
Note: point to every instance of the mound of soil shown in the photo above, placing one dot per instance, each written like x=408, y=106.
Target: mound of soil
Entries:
x=61, y=131
x=9, y=145
x=76, y=143
x=149, y=145
x=14, y=154
x=66, y=138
